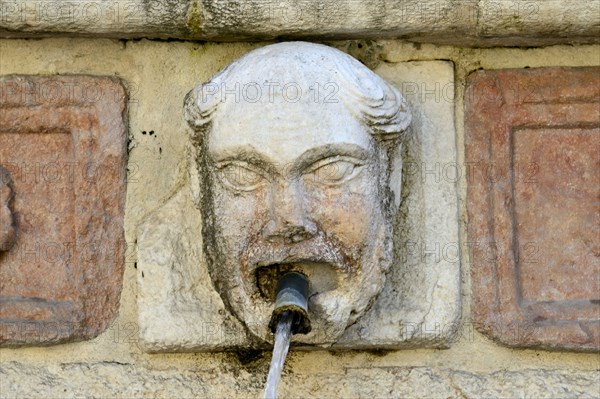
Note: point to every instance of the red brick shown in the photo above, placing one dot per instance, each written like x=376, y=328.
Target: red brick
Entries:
x=63, y=143
x=532, y=144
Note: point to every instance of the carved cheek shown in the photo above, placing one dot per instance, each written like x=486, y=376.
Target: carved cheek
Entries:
x=239, y=214
x=345, y=213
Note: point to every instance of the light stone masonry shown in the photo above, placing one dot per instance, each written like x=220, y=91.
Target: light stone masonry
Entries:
x=115, y=364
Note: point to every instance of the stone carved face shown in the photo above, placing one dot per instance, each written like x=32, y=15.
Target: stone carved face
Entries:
x=7, y=230
x=297, y=183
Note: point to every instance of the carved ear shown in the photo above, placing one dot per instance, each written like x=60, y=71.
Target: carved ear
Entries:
x=396, y=177
x=191, y=111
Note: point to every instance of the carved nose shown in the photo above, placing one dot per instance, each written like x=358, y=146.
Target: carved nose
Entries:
x=288, y=220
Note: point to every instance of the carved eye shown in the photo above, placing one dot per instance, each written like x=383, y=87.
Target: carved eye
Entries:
x=240, y=176
x=334, y=170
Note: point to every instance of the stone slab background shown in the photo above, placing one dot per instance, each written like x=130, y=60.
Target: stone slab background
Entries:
x=113, y=365
x=420, y=302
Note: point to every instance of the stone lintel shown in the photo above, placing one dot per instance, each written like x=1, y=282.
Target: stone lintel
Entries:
x=457, y=22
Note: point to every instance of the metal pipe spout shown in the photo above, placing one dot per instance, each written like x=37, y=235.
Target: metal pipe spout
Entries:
x=292, y=297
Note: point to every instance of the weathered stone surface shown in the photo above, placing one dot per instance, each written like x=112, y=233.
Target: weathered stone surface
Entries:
x=420, y=301
x=489, y=22
x=532, y=143
x=62, y=139
x=531, y=383
x=112, y=379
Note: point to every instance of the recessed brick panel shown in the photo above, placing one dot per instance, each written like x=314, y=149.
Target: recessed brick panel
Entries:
x=63, y=154
x=532, y=144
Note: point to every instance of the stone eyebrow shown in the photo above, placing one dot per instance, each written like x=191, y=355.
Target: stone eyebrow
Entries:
x=308, y=158
x=314, y=155
x=249, y=155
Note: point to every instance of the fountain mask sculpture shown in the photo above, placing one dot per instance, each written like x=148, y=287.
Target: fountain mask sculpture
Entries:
x=295, y=142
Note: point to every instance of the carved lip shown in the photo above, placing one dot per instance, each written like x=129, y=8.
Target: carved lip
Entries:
x=310, y=251
x=322, y=276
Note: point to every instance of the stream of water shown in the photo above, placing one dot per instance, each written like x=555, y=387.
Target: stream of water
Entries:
x=283, y=335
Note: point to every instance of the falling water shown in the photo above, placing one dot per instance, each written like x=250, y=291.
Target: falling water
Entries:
x=283, y=335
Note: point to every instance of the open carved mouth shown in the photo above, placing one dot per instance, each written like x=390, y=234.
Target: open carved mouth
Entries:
x=322, y=277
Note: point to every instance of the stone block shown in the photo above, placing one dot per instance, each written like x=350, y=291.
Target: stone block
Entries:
x=471, y=23
x=116, y=379
x=532, y=145
x=180, y=310
x=63, y=154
